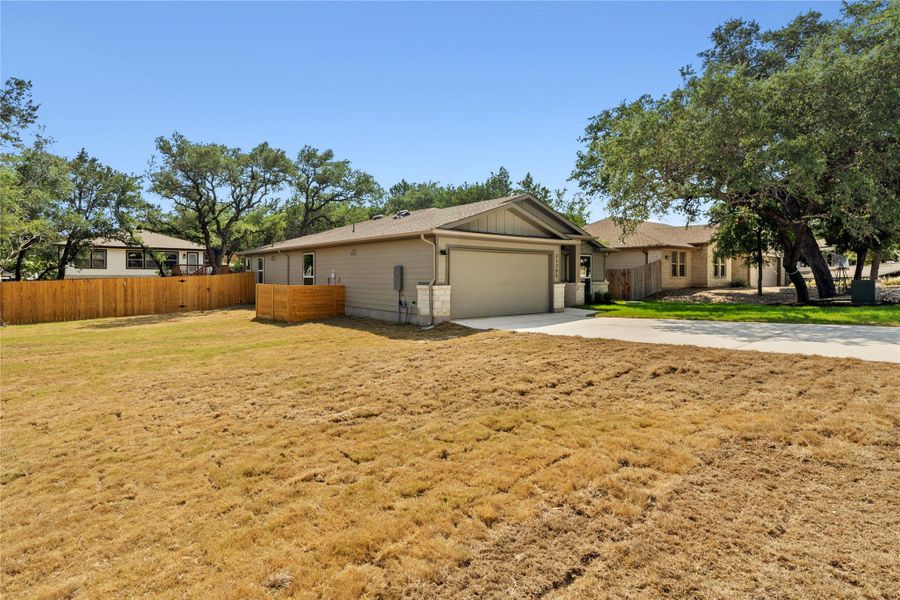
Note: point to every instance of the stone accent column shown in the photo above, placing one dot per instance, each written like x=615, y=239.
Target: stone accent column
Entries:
x=441, y=294
x=422, y=300
x=441, y=302
x=559, y=297
x=572, y=291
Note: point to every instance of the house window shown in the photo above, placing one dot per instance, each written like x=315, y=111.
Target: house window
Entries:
x=246, y=265
x=260, y=269
x=134, y=259
x=585, y=270
x=679, y=264
x=95, y=259
x=171, y=259
x=718, y=266
x=309, y=269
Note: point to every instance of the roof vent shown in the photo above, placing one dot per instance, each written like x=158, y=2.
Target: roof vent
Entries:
x=402, y=213
x=376, y=217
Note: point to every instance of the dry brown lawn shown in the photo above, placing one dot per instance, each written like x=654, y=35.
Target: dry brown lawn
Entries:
x=209, y=455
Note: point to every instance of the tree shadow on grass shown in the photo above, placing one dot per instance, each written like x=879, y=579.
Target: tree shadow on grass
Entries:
x=119, y=322
x=394, y=331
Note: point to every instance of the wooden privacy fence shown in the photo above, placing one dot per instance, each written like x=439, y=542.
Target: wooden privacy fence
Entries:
x=636, y=282
x=74, y=299
x=298, y=302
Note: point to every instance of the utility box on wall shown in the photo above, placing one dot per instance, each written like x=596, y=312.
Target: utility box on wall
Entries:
x=398, y=278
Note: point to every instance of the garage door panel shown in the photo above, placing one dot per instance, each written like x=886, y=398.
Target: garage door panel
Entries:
x=484, y=283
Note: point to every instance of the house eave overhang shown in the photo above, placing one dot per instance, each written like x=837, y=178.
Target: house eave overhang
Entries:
x=347, y=242
x=503, y=237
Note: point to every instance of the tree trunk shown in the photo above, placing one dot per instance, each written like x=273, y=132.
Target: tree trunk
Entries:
x=820, y=270
x=861, y=252
x=876, y=264
x=215, y=260
x=20, y=258
x=790, y=254
x=160, y=266
x=790, y=267
x=759, y=263
x=63, y=260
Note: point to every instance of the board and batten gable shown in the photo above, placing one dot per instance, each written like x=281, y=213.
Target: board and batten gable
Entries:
x=503, y=221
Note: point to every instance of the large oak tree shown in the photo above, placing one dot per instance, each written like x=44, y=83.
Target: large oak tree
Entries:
x=775, y=124
x=213, y=187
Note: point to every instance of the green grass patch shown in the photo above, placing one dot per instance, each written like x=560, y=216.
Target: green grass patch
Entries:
x=828, y=315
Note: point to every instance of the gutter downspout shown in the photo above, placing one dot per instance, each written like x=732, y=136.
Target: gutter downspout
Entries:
x=433, y=278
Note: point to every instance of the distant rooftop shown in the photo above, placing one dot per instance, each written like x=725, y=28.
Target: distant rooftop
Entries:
x=648, y=234
x=156, y=241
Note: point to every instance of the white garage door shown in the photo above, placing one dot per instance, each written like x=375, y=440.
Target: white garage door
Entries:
x=488, y=283
x=770, y=275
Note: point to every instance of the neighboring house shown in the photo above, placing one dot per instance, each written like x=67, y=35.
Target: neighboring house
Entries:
x=112, y=258
x=687, y=253
x=504, y=256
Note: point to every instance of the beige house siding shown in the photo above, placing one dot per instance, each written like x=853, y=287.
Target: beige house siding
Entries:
x=625, y=259
x=276, y=268
x=673, y=282
x=370, y=268
x=116, y=265
x=698, y=265
x=701, y=267
x=367, y=267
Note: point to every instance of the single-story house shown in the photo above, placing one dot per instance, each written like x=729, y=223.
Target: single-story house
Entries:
x=113, y=258
x=506, y=256
x=687, y=253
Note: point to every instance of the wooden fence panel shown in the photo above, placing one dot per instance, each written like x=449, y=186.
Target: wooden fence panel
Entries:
x=636, y=282
x=75, y=299
x=293, y=303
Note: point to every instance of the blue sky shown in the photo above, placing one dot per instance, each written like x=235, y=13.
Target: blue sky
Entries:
x=445, y=92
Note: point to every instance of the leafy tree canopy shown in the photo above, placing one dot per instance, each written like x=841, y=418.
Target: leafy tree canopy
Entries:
x=212, y=187
x=794, y=125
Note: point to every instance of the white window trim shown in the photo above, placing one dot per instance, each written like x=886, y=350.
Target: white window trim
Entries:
x=719, y=273
x=303, y=274
x=590, y=266
x=676, y=264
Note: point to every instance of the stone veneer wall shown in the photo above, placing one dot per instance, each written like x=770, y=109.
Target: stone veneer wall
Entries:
x=572, y=291
x=441, y=295
x=559, y=297
x=601, y=286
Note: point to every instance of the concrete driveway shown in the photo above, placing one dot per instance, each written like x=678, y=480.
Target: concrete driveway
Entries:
x=850, y=341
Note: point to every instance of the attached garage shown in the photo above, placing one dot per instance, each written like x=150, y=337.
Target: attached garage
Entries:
x=488, y=283
x=505, y=256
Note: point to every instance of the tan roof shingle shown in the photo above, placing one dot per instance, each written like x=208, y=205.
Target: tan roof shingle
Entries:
x=418, y=221
x=648, y=234
x=156, y=241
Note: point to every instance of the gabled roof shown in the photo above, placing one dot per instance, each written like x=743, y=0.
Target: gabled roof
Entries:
x=156, y=241
x=648, y=234
x=417, y=222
